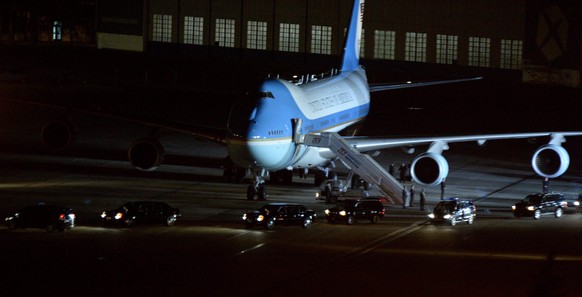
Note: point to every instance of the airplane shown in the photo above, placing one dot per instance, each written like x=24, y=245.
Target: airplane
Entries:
x=266, y=131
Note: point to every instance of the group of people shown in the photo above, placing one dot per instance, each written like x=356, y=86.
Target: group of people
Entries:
x=408, y=194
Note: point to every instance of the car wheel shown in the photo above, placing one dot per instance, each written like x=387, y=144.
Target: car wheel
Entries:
x=537, y=214
x=50, y=228
x=375, y=219
x=270, y=224
x=351, y=220
x=170, y=221
x=470, y=221
x=129, y=222
x=559, y=212
x=453, y=221
x=307, y=223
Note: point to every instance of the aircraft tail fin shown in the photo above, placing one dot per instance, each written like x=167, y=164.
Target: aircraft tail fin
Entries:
x=351, y=54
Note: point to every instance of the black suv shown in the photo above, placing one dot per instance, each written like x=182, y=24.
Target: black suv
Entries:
x=539, y=204
x=142, y=212
x=49, y=217
x=453, y=210
x=350, y=210
x=280, y=213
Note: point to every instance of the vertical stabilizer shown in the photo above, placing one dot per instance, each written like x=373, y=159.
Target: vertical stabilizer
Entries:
x=351, y=55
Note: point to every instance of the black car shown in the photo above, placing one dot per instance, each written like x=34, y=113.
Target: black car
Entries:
x=280, y=214
x=454, y=210
x=350, y=210
x=49, y=217
x=141, y=212
x=539, y=204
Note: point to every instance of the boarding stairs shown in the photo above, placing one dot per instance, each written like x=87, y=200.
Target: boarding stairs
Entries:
x=362, y=164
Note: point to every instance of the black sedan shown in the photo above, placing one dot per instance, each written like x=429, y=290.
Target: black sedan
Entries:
x=49, y=217
x=539, y=204
x=280, y=214
x=141, y=212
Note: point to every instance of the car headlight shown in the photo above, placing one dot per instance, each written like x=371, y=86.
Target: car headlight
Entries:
x=431, y=215
x=342, y=213
x=244, y=217
x=326, y=211
x=260, y=218
x=577, y=203
x=118, y=216
x=103, y=215
x=447, y=216
x=513, y=207
x=317, y=195
x=531, y=208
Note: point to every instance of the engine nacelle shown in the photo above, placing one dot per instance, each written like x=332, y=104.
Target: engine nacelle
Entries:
x=146, y=154
x=429, y=169
x=550, y=160
x=58, y=135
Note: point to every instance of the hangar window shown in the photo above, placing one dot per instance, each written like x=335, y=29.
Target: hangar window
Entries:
x=289, y=37
x=225, y=32
x=321, y=40
x=58, y=30
x=193, y=30
x=384, y=44
x=162, y=28
x=511, y=54
x=257, y=35
x=446, y=49
x=415, y=47
x=479, y=51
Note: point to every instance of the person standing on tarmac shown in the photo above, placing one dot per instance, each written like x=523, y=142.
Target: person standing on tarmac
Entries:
x=443, y=188
x=411, y=196
x=404, y=196
x=422, y=199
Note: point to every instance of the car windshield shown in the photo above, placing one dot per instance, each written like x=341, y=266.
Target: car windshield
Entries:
x=347, y=204
x=445, y=207
x=269, y=208
x=533, y=199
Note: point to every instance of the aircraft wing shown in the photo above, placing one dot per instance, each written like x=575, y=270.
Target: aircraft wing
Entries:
x=364, y=144
x=410, y=84
x=209, y=133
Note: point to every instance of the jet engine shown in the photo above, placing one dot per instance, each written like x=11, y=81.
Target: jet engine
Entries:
x=550, y=160
x=58, y=135
x=146, y=154
x=429, y=169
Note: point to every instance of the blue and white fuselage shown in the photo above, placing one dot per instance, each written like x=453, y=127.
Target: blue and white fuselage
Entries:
x=283, y=109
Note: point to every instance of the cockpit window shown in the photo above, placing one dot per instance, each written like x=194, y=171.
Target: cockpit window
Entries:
x=260, y=95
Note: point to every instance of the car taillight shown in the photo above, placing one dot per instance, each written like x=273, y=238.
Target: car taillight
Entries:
x=62, y=216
